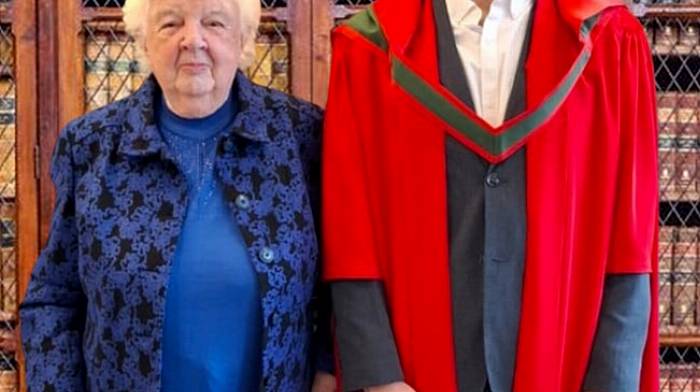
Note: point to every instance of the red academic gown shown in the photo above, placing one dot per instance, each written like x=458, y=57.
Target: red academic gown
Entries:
x=591, y=172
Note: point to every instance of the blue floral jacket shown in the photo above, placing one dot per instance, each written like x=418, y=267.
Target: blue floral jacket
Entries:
x=92, y=317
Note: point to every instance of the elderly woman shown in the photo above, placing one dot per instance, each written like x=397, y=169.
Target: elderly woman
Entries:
x=183, y=252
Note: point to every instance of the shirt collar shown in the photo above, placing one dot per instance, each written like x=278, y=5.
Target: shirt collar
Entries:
x=197, y=129
x=517, y=7
x=406, y=27
x=467, y=13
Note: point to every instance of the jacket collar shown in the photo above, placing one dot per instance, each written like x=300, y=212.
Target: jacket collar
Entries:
x=141, y=136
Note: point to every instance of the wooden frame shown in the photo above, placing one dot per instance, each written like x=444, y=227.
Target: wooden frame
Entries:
x=679, y=340
x=23, y=19
x=60, y=78
x=299, y=26
x=322, y=23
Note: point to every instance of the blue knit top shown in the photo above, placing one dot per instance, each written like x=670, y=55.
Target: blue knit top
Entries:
x=211, y=337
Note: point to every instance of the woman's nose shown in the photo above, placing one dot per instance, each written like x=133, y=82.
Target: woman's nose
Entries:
x=193, y=37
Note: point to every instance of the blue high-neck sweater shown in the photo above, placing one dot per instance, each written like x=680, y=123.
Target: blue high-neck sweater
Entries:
x=211, y=337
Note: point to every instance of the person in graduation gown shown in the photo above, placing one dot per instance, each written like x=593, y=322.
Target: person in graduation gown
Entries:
x=490, y=197
x=183, y=253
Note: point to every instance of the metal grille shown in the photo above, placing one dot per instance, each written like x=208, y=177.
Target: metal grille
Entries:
x=676, y=49
x=8, y=276
x=103, y=3
x=112, y=71
x=679, y=370
x=667, y=2
x=111, y=68
x=272, y=50
x=271, y=65
x=353, y=3
x=343, y=9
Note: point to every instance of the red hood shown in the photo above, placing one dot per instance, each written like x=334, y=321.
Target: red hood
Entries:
x=408, y=16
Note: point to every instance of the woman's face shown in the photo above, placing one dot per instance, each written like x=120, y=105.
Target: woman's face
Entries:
x=193, y=48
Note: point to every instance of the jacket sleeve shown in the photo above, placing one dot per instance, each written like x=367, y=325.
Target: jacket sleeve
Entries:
x=635, y=213
x=352, y=113
x=616, y=360
x=634, y=231
x=366, y=347
x=52, y=314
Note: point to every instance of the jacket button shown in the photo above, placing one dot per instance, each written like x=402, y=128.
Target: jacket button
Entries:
x=493, y=180
x=266, y=254
x=243, y=202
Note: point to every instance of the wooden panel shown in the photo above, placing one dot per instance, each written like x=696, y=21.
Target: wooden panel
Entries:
x=70, y=65
x=61, y=87
x=299, y=27
x=47, y=108
x=678, y=10
x=679, y=340
x=321, y=50
x=24, y=31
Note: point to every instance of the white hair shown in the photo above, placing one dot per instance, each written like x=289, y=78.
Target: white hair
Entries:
x=136, y=11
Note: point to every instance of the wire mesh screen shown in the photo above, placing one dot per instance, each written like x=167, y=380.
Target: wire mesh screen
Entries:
x=342, y=9
x=676, y=49
x=112, y=68
x=8, y=276
x=272, y=49
x=666, y=2
x=103, y=3
x=271, y=65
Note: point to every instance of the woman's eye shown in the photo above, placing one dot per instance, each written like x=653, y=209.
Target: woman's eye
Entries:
x=215, y=23
x=167, y=25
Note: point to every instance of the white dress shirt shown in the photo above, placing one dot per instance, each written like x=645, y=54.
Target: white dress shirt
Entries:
x=490, y=51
